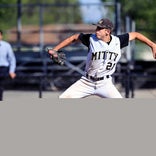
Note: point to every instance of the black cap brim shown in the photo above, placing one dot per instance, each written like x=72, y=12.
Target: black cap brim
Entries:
x=98, y=25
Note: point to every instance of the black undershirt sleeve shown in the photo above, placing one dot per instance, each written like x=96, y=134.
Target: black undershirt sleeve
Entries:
x=124, y=40
x=84, y=38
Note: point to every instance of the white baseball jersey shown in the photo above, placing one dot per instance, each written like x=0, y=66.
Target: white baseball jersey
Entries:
x=103, y=57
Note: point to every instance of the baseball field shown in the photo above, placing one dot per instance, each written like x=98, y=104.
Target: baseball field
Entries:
x=18, y=95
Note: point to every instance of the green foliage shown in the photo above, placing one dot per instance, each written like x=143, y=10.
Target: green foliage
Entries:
x=54, y=11
x=143, y=12
x=49, y=1
x=7, y=13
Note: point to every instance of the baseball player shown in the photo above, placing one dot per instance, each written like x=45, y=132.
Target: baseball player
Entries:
x=104, y=52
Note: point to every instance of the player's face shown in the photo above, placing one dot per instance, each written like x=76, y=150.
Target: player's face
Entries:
x=101, y=32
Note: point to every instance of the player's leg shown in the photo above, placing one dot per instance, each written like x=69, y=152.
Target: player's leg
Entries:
x=107, y=89
x=2, y=85
x=80, y=89
x=1, y=93
x=3, y=76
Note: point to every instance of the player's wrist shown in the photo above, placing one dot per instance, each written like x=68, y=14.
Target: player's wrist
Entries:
x=55, y=50
x=52, y=51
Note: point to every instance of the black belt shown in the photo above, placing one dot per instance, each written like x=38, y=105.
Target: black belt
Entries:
x=97, y=78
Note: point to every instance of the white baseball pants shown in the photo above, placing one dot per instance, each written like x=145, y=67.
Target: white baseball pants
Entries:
x=85, y=87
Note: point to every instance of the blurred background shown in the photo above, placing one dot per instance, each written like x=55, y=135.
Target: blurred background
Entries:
x=33, y=25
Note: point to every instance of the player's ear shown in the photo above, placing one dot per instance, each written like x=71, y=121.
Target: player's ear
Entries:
x=108, y=31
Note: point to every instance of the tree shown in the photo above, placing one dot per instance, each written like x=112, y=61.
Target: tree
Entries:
x=142, y=12
x=54, y=11
x=7, y=13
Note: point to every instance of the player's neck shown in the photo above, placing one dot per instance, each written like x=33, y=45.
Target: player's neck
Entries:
x=107, y=39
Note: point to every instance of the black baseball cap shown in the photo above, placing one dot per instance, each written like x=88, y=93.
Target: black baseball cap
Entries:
x=105, y=23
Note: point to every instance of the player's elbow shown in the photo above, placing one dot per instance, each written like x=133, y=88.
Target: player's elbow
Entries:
x=133, y=35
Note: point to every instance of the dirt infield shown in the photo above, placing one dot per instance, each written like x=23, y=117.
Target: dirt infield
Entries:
x=35, y=127
x=11, y=95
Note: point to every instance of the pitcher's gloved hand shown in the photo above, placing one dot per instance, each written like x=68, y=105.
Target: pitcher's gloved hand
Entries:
x=57, y=56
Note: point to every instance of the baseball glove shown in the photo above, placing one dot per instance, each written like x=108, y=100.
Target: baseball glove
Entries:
x=58, y=57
